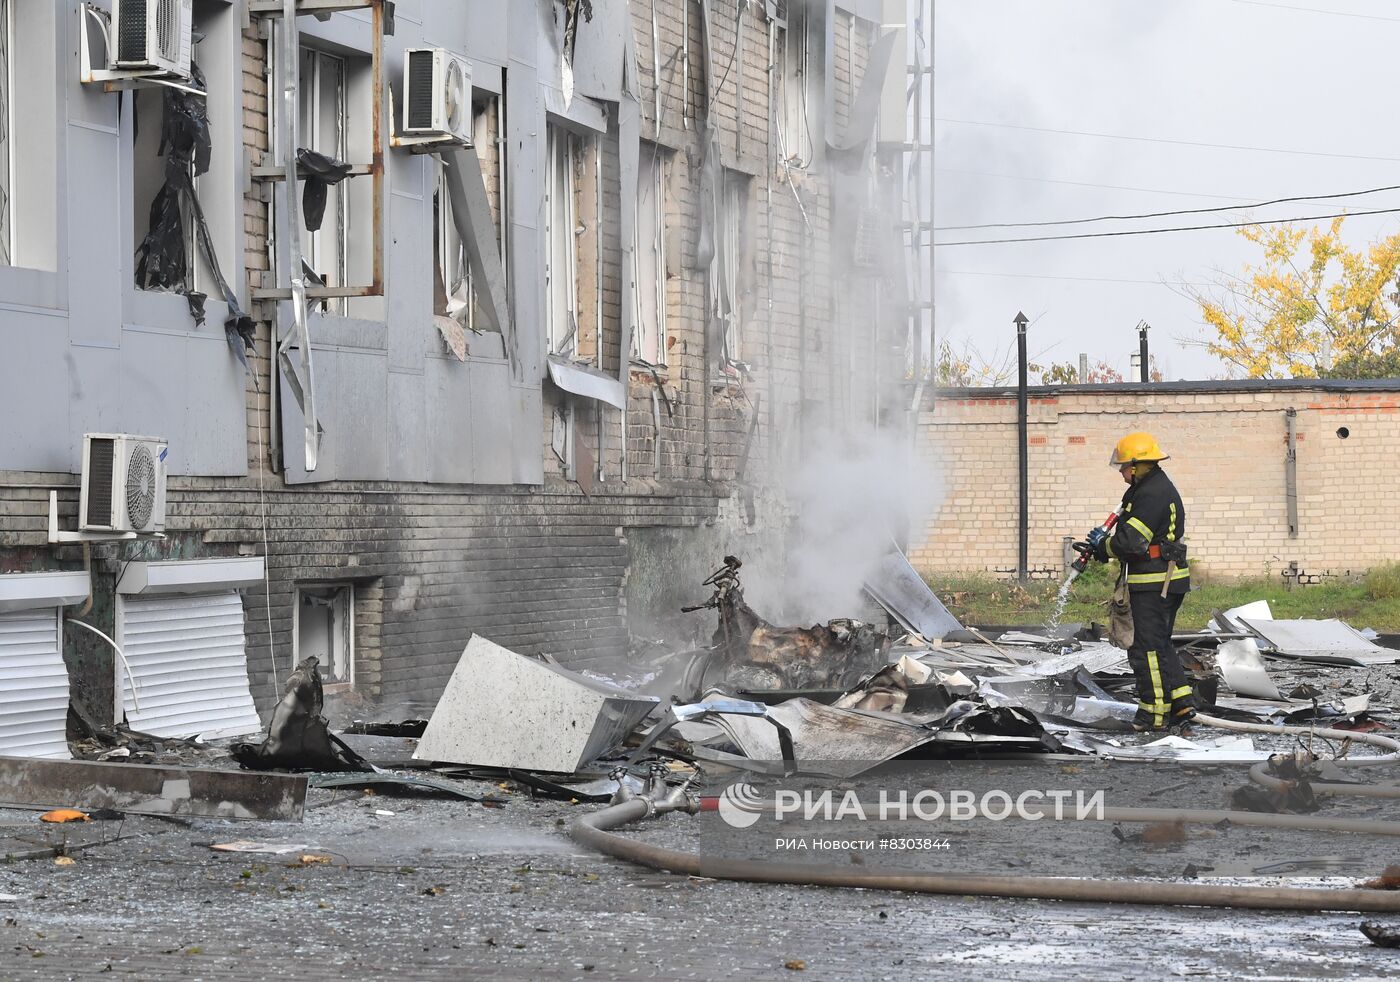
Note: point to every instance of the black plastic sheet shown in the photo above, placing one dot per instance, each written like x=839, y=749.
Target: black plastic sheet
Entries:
x=318, y=174
x=162, y=257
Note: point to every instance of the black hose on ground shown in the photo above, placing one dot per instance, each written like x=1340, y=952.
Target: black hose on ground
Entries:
x=595, y=832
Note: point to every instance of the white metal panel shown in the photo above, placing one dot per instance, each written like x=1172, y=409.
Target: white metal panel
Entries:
x=26, y=591
x=186, y=653
x=191, y=575
x=33, y=686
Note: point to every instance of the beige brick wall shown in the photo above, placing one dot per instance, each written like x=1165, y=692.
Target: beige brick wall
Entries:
x=1228, y=448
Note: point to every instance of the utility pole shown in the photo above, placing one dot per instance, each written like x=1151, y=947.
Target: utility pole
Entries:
x=1146, y=375
x=1022, y=558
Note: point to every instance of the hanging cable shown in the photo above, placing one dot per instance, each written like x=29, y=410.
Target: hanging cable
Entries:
x=1175, y=228
x=1165, y=214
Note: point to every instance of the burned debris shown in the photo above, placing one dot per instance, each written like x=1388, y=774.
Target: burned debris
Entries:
x=748, y=653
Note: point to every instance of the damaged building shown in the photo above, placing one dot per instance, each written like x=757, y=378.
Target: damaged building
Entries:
x=350, y=329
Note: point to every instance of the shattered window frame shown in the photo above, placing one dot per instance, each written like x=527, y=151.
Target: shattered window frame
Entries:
x=7, y=166
x=794, y=129
x=566, y=152
x=454, y=292
x=311, y=117
x=733, y=249
x=649, y=265
x=338, y=661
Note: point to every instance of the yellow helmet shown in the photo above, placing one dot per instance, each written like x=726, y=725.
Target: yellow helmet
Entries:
x=1136, y=448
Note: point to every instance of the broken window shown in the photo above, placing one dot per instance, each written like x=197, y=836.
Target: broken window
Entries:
x=733, y=258
x=454, y=294
x=323, y=126
x=324, y=628
x=6, y=135
x=794, y=131
x=649, y=259
x=564, y=174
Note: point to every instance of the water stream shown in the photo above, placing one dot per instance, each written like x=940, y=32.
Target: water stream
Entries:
x=1061, y=599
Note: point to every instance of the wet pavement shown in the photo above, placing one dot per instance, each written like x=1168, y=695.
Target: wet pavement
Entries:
x=442, y=889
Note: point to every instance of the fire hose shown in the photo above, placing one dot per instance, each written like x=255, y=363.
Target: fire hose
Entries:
x=1260, y=775
x=596, y=832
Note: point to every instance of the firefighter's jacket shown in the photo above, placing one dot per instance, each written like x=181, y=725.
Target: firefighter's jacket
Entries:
x=1150, y=532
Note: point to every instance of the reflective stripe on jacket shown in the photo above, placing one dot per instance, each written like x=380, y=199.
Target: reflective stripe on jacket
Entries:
x=1153, y=515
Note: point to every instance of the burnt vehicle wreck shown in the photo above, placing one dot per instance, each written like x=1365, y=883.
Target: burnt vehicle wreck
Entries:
x=750, y=654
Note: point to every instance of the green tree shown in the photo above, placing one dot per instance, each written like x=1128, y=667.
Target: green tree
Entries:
x=1365, y=364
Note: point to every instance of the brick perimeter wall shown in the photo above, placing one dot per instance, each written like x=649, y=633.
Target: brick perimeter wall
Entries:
x=1228, y=452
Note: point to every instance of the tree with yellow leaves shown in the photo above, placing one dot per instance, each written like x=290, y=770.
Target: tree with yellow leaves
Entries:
x=1310, y=302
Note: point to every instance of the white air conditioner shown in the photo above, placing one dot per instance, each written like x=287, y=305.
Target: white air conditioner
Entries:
x=152, y=36
x=123, y=483
x=437, y=101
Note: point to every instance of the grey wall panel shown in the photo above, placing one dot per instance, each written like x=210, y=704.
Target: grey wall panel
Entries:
x=528, y=410
x=94, y=257
x=409, y=264
x=362, y=416
x=598, y=51
x=408, y=435
x=215, y=395
x=352, y=404
x=34, y=389
x=496, y=429
x=94, y=388
x=450, y=421
x=485, y=25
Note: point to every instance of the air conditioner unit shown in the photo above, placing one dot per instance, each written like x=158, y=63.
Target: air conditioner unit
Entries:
x=123, y=483
x=437, y=102
x=152, y=36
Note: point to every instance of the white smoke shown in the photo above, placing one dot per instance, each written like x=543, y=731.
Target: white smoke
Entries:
x=851, y=503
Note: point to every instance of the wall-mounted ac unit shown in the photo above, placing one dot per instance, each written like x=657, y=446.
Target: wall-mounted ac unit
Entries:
x=152, y=35
x=123, y=483
x=437, y=102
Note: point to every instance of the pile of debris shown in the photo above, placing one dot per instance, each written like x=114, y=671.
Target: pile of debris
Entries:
x=844, y=697
x=835, y=699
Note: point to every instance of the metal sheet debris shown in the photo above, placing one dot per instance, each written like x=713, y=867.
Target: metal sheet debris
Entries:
x=841, y=742
x=1328, y=642
x=590, y=383
x=1242, y=667
x=149, y=789
x=394, y=782
x=898, y=588
x=502, y=709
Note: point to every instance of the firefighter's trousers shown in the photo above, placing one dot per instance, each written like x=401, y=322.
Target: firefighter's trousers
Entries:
x=1162, y=685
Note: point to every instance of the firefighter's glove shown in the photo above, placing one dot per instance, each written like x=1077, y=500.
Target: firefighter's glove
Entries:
x=1097, y=540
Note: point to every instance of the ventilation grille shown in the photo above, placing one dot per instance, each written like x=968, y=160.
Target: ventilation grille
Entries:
x=131, y=42
x=99, y=469
x=420, y=90
x=168, y=35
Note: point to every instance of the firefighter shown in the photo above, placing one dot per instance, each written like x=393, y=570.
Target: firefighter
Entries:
x=1148, y=543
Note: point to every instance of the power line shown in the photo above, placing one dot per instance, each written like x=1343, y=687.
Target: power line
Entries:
x=1154, y=139
x=1315, y=10
x=1159, y=231
x=1164, y=214
x=1075, y=279
x=1088, y=184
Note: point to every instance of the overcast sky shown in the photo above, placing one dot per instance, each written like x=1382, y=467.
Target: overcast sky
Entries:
x=1313, y=77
